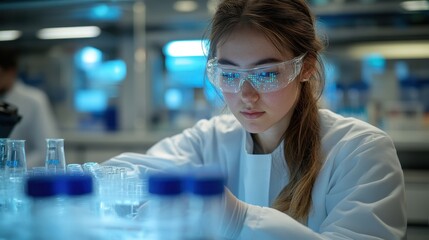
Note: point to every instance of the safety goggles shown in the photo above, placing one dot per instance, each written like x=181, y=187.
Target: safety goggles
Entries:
x=264, y=78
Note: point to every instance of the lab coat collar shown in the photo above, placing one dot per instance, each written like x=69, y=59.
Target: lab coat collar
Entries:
x=256, y=172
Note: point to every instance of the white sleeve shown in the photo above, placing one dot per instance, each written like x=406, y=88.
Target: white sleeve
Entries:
x=365, y=200
x=180, y=150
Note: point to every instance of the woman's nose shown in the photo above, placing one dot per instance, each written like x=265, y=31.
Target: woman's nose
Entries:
x=248, y=92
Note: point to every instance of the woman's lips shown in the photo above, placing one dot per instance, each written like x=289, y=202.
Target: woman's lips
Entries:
x=252, y=115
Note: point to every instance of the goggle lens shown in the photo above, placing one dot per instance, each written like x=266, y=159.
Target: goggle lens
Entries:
x=267, y=78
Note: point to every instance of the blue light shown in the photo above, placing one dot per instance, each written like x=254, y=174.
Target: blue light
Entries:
x=88, y=57
x=109, y=72
x=173, y=98
x=105, y=12
x=90, y=100
x=186, y=48
x=181, y=64
x=375, y=61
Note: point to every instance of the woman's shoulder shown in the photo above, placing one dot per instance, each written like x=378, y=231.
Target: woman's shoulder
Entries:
x=333, y=124
x=347, y=134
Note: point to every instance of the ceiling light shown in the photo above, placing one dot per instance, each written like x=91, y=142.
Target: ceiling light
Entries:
x=185, y=6
x=392, y=50
x=9, y=35
x=69, y=32
x=212, y=6
x=415, y=5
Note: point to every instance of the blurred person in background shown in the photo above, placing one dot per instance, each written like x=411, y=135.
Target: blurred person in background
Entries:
x=38, y=122
x=294, y=170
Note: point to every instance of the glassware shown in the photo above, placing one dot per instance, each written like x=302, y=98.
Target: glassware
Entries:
x=205, y=189
x=74, y=169
x=15, y=173
x=3, y=159
x=16, y=163
x=160, y=221
x=3, y=153
x=55, y=159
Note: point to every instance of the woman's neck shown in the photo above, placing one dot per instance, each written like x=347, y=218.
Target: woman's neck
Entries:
x=263, y=144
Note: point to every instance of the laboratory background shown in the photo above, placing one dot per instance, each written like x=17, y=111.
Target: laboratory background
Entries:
x=122, y=74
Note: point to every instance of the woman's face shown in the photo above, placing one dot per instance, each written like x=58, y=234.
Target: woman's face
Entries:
x=257, y=112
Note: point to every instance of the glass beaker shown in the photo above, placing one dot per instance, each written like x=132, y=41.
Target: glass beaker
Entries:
x=3, y=159
x=55, y=159
x=3, y=153
x=15, y=173
x=16, y=163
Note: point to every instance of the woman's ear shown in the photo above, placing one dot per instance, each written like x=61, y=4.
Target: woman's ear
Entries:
x=308, y=68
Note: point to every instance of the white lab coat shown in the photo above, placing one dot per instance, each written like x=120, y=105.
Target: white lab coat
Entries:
x=359, y=193
x=37, y=123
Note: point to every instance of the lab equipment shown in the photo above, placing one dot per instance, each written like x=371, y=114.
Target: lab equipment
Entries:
x=264, y=78
x=165, y=208
x=3, y=159
x=55, y=159
x=48, y=216
x=205, y=188
x=9, y=117
x=74, y=169
x=61, y=207
x=15, y=173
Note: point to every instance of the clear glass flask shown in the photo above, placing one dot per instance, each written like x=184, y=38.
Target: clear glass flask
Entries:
x=16, y=163
x=55, y=159
x=3, y=154
x=3, y=159
x=15, y=174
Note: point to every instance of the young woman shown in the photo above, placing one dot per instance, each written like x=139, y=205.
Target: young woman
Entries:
x=294, y=171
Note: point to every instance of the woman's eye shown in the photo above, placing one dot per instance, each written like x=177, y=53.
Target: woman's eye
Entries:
x=230, y=75
x=267, y=74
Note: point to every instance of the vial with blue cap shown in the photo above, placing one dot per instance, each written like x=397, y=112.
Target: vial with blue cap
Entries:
x=205, y=190
x=48, y=215
x=165, y=209
x=60, y=206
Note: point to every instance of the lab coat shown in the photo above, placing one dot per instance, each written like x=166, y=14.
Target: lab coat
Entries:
x=37, y=123
x=358, y=194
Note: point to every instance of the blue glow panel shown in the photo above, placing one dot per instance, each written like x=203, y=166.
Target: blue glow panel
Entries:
x=186, y=71
x=88, y=57
x=186, y=48
x=109, y=72
x=173, y=98
x=91, y=101
x=375, y=61
x=182, y=64
x=105, y=12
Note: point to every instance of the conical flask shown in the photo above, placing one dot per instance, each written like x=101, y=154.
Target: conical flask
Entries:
x=55, y=160
x=3, y=154
x=15, y=174
x=16, y=163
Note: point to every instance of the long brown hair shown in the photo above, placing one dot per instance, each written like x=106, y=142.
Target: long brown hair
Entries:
x=290, y=26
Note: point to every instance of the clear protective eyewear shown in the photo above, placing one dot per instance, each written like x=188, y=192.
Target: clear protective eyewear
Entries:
x=264, y=78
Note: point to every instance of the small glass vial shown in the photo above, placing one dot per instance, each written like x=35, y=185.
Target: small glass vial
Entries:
x=81, y=205
x=205, y=188
x=49, y=216
x=55, y=159
x=165, y=208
